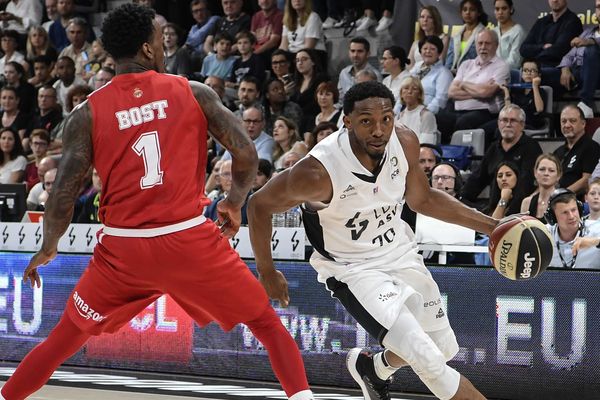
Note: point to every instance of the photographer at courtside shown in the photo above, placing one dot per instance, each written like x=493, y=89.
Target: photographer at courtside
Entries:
x=575, y=241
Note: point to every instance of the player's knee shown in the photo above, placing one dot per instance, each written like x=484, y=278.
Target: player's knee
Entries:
x=446, y=341
x=265, y=322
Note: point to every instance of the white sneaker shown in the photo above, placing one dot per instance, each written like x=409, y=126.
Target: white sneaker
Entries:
x=364, y=23
x=384, y=24
x=330, y=23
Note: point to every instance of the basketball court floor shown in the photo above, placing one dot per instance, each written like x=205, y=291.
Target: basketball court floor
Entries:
x=93, y=384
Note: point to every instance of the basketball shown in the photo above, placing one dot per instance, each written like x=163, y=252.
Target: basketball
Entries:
x=520, y=247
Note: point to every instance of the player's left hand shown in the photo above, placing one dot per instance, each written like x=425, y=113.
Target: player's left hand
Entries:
x=230, y=218
x=39, y=259
x=584, y=243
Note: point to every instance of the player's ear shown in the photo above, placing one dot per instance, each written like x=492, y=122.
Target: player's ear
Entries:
x=347, y=122
x=147, y=50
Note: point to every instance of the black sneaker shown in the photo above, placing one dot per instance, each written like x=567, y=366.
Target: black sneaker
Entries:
x=361, y=367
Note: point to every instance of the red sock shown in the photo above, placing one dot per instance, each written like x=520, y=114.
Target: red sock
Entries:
x=283, y=352
x=37, y=367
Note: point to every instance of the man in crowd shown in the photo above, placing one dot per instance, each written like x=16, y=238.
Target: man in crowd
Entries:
x=204, y=23
x=58, y=30
x=254, y=122
x=267, y=26
x=51, y=13
x=45, y=165
x=234, y=21
x=20, y=15
x=48, y=114
x=579, y=155
x=79, y=50
x=248, y=94
x=42, y=71
x=359, y=56
x=429, y=156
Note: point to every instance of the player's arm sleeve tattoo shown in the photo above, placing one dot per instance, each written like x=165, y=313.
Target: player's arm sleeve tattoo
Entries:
x=74, y=166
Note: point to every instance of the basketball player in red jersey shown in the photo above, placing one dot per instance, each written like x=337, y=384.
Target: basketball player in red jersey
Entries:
x=146, y=133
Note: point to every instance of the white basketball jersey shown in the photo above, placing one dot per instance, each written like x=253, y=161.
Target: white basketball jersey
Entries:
x=362, y=220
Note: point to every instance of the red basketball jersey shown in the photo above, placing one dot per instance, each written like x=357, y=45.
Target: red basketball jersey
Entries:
x=149, y=139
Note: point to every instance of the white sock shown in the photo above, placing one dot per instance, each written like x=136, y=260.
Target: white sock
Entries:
x=302, y=395
x=382, y=368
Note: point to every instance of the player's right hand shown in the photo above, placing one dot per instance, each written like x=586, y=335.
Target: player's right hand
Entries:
x=39, y=259
x=276, y=287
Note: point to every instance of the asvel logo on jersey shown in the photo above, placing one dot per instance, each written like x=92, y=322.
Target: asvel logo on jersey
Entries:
x=349, y=191
x=85, y=310
x=386, y=296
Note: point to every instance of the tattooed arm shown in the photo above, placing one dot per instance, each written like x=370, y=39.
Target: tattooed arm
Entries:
x=75, y=163
x=228, y=130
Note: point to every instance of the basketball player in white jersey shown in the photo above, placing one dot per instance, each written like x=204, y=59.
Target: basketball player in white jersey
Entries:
x=352, y=186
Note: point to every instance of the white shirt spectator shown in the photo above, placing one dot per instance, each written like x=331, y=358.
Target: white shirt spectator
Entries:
x=18, y=164
x=394, y=84
x=33, y=199
x=476, y=71
x=422, y=122
x=313, y=29
x=62, y=91
x=30, y=12
x=16, y=57
x=510, y=43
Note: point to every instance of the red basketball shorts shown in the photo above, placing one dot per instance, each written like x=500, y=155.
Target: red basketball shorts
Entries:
x=197, y=267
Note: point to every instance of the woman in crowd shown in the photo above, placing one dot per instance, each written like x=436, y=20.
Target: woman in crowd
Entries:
x=307, y=78
x=393, y=62
x=38, y=44
x=177, y=59
x=302, y=28
x=415, y=115
x=547, y=172
x=12, y=160
x=77, y=95
x=434, y=76
x=285, y=134
x=327, y=96
x=510, y=34
x=282, y=70
x=506, y=194
x=430, y=24
x=462, y=45
x=530, y=99
x=9, y=42
x=14, y=75
x=319, y=133
x=11, y=116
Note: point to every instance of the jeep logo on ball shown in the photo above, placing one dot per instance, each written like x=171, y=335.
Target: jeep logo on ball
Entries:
x=527, y=266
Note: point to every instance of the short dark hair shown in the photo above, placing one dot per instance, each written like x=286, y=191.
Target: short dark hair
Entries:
x=108, y=70
x=399, y=53
x=10, y=88
x=483, y=17
x=65, y=58
x=76, y=90
x=126, y=28
x=246, y=34
x=366, y=90
x=328, y=86
x=265, y=167
x=41, y=133
x=223, y=36
x=534, y=61
x=363, y=41
x=251, y=79
x=11, y=33
x=434, y=40
x=43, y=59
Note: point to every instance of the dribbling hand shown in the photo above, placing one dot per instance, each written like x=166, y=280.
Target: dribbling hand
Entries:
x=276, y=287
x=39, y=259
x=230, y=218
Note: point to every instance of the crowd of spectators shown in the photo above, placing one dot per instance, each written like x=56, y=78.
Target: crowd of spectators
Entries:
x=268, y=64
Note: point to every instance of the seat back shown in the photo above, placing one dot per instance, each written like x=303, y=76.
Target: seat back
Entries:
x=470, y=137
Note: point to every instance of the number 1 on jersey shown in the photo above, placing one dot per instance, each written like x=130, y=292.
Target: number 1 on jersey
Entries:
x=148, y=147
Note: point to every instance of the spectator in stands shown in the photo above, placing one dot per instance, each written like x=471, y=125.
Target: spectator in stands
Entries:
x=12, y=160
x=9, y=43
x=575, y=240
x=58, y=31
x=531, y=100
x=248, y=94
x=476, y=87
x=308, y=77
x=162, y=21
x=220, y=63
x=290, y=158
x=51, y=13
x=248, y=63
x=11, y=116
x=102, y=77
x=38, y=44
x=393, y=63
x=48, y=183
x=429, y=156
x=276, y=104
x=319, y=133
x=579, y=155
x=462, y=46
x=267, y=27
x=580, y=66
x=414, y=113
x=592, y=198
x=282, y=70
x=20, y=15
x=65, y=70
x=327, y=97
x=77, y=95
x=234, y=21
x=109, y=62
x=225, y=180
x=359, y=57
x=15, y=76
x=285, y=135
x=550, y=39
x=263, y=174
x=430, y=24
x=89, y=211
x=79, y=50
x=513, y=146
x=507, y=191
x=42, y=72
x=177, y=59
x=446, y=177
x=434, y=76
x=254, y=122
x=547, y=174
x=204, y=23
x=302, y=28
x=39, y=140
x=33, y=198
x=510, y=33
x=48, y=114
